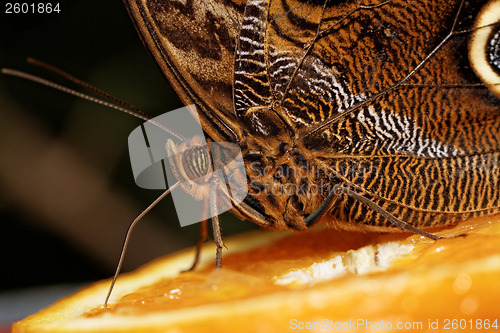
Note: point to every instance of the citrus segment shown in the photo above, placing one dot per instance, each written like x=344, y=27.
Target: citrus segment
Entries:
x=278, y=282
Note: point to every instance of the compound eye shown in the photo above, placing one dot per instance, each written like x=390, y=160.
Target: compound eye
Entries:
x=196, y=162
x=484, y=48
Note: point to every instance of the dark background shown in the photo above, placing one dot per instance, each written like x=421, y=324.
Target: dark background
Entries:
x=67, y=193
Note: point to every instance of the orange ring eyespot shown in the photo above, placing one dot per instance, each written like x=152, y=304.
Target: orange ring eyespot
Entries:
x=484, y=48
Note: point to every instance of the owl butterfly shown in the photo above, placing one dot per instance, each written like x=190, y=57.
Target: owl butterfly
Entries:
x=384, y=98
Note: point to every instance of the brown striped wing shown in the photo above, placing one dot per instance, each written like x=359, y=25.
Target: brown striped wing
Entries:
x=348, y=79
x=430, y=145
x=193, y=43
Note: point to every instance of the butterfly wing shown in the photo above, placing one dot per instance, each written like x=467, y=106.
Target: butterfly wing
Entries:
x=365, y=86
x=415, y=134
x=193, y=43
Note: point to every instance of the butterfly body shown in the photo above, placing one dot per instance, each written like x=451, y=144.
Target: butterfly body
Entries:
x=374, y=96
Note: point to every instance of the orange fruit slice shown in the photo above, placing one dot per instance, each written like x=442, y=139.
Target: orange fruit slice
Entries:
x=322, y=280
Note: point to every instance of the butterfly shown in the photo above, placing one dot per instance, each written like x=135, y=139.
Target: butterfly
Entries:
x=372, y=115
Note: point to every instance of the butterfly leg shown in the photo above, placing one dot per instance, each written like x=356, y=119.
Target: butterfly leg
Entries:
x=218, y=241
x=201, y=239
x=339, y=189
x=391, y=218
x=216, y=229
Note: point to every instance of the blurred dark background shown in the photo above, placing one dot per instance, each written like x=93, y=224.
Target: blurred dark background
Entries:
x=67, y=193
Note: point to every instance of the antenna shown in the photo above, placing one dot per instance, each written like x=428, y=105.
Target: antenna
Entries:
x=116, y=104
